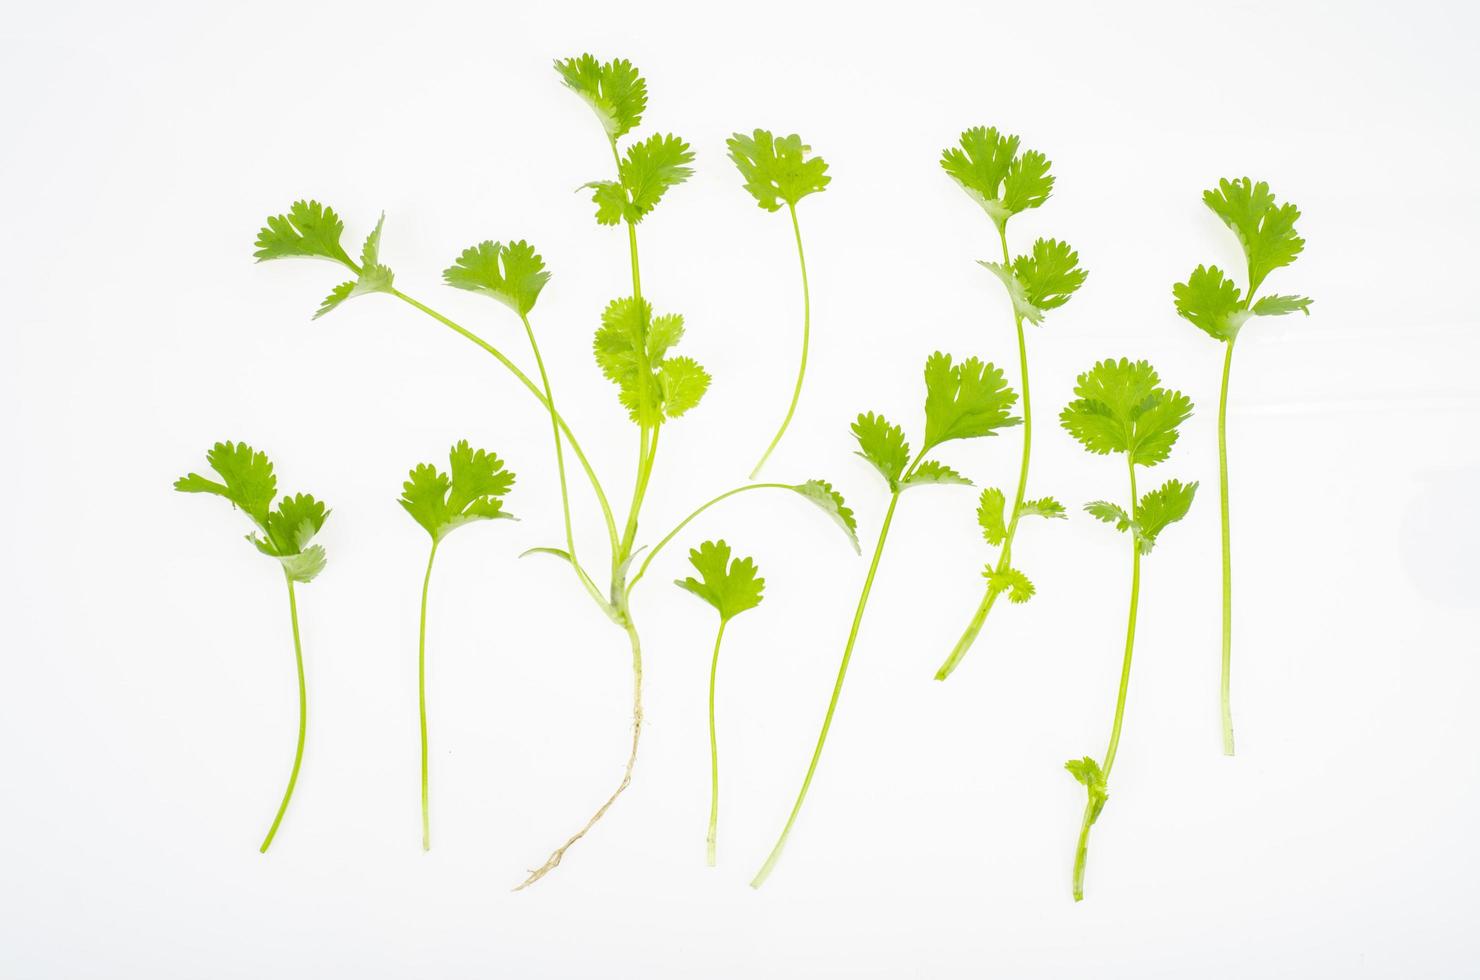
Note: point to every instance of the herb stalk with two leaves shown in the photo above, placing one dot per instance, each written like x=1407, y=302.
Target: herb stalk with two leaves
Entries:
x=1120, y=407
x=988, y=166
x=962, y=401
x=284, y=532
x=1212, y=302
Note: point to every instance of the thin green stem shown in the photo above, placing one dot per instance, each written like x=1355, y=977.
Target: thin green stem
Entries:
x=832, y=704
x=653, y=551
x=555, y=857
x=806, y=339
x=302, y=721
x=534, y=389
x=1223, y=692
x=1092, y=807
x=1004, y=557
x=421, y=700
x=713, y=752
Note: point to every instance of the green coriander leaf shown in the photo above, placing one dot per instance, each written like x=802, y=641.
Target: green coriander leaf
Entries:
x=1265, y=229
x=1158, y=508
x=731, y=587
x=987, y=167
x=683, y=382
x=372, y=279
x=1043, y=507
x=370, y=251
x=932, y=472
x=424, y=496
x=560, y=553
x=441, y=503
x=294, y=523
x=674, y=384
x=1110, y=514
x=777, y=169
x=1211, y=301
x=614, y=90
x=663, y=333
x=308, y=229
x=989, y=514
x=1011, y=581
x=513, y=274
x=476, y=474
x=1050, y=274
x=246, y=475
x=610, y=200
x=1281, y=305
x=821, y=493
x=882, y=443
x=964, y=401
x=1028, y=183
x=1121, y=408
x=645, y=174
x=306, y=564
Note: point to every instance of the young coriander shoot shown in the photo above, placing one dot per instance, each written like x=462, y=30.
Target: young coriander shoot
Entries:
x=777, y=170
x=1120, y=407
x=471, y=490
x=1212, y=302
x=731, y=587
x=989, y=167
x=962, y=401
x=285, y=533
x=633, y=346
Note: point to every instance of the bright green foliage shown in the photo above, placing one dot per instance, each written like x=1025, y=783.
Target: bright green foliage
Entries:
x=1042, y=507
x=990, y=170
x=1212, y=303
x=882, y=443
x=731, y=587
x=441, y=503
x=989, y=514
x=931, y=471
x=1156, y=509
x=513, y=274
x=821, y=493
x=777, y=169
x=614, y=90
x=964, y=401
x=645, y=174
x=1121, y=408
x=285, y=533
x=1042, y=280
x=310, y=229
x=1265, y=229
x=1281, y=305
x=1110, y=513
x=1011, y=581
x=671, y=385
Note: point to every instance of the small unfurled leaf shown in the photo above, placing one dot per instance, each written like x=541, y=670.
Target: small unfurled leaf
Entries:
x=614, y=90
x=731, y=587
x=1043, y=507
x=1109, y=513
x=990, y=515
x=1165, y=505
x=1265, y=229
x=821, y=493
x=1211, y=301
x=932, y=472
x=1087, y=773
x=988, y=168
x=1122, y=408
x=1044, y=279
x=441, y=503
x=246, y=475
x=1011, y=581
x=645, y=174
x=306, y=564
x=882, y=443
x=777, y=169
x=513, y=274
x=372, y=279
x=671, y=386
x=309, y=229
x=1281, y=305
x=964, y=401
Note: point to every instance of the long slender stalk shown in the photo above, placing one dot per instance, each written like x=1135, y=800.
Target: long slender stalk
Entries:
x=421, y=700
x=1223, y=690
x=555, y=857
x=806, y=339
x=713, y=752
x=1004, y=557
x=302, y=721
x=832, y=704
x=1091, y=809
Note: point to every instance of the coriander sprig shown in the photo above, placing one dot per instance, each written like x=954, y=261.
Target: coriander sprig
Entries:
x=1120, y=407
x=285, y=532
x=962, y=401
x=1212, y=302
x=777, y=170
x=990, y=167
x=471, y=490
x=731, y=587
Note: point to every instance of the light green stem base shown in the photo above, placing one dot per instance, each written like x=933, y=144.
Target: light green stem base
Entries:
x=302, y=723
x=1223, y=692
x=421, y=701
x=713, y=753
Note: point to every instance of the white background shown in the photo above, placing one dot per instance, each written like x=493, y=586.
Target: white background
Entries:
x=147, y=709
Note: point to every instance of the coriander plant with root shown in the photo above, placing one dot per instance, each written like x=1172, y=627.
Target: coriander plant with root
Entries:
x=441, y=503
x=731, y=587
x=962, y=401
x=634, y=347
x=1212, y=302
x=989, y=167
x=285, y=532
x=1120, y=407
